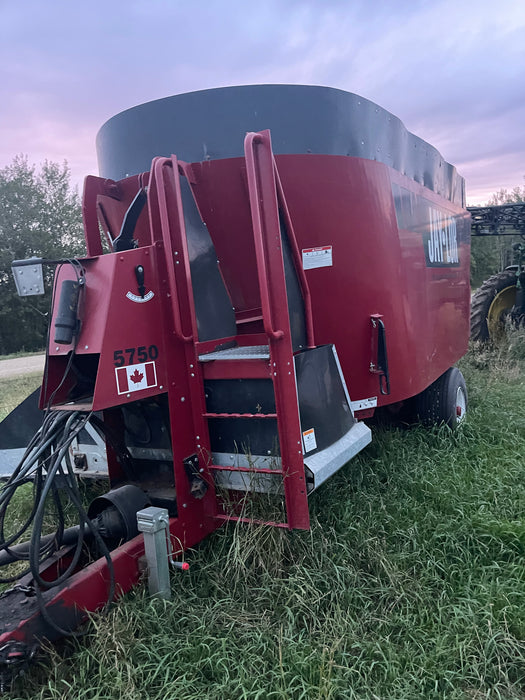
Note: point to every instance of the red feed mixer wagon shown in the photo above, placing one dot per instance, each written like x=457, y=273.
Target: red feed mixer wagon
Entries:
x=266, y=266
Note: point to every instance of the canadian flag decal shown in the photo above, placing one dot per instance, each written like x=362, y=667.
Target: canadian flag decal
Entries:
x=136, y=377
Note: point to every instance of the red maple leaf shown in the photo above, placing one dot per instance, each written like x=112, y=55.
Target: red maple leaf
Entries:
x=136, y=377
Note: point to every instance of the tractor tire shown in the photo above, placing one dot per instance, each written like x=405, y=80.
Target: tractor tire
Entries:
x=444, y=401
x=490, y=306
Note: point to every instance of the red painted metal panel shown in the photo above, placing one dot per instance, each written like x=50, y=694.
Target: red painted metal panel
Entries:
x=240, y=369
x=347, y=203
x=117, y=325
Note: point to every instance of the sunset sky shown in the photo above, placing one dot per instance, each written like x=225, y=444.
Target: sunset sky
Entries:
x=452, y=70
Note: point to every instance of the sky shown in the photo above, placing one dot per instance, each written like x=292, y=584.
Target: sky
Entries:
x=453, y=71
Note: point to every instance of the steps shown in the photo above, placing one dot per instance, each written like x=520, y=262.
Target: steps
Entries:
x=256, y=405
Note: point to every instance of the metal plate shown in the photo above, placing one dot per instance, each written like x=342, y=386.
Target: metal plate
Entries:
x=240, y=396
x=324, y=463
x=249, y=352
x=211, y=124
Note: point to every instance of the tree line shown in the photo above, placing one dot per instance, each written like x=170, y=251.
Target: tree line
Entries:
x=40, y=215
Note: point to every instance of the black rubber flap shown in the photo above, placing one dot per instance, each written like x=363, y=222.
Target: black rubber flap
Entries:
x=323, y=404
x=213, y=306
x=19, y=427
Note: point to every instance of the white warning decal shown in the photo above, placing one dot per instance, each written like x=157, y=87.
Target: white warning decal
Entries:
x=309, y=440
x=135, y=377
x=317, y=257
x=363, y=404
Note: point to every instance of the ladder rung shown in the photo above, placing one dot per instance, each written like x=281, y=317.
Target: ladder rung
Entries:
x=240, y=415
x=249, y=470
x=250, y=521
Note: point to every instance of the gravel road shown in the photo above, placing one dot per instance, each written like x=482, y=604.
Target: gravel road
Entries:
x=21, y=365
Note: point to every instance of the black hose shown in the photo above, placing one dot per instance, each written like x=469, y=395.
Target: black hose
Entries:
x=21, y=551
x=42, y=465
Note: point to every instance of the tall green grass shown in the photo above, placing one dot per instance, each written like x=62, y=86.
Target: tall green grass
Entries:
x=13, y=390
x=410, y=584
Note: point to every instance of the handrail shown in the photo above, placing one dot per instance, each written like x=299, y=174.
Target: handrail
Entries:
x=158, y=167
x=253, y=170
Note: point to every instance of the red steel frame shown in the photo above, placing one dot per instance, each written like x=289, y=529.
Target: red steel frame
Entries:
x=86, y=590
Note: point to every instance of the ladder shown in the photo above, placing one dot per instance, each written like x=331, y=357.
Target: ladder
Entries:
x=268, y=355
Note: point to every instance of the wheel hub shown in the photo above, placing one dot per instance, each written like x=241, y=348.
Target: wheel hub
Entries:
x=461, y=405
x=500, y=307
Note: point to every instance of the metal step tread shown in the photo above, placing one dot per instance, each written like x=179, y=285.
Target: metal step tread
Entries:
x=249, y=352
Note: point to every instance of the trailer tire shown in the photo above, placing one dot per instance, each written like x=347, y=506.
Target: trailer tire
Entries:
x=444, y=401
x=490, y=305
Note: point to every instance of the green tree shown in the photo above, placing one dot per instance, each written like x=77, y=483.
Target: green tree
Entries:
x=503, y=196
x=40, y=215
x=489, y=254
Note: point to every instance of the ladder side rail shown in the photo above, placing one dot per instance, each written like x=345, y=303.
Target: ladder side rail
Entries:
x=270, y=267
x=185, y=390
x=171, y=203
x=260, y=235
x=297, y=258
x=93, y=186
x=171, y=220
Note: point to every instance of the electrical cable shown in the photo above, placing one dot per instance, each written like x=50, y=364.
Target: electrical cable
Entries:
x=58, y=429
x=43, y=465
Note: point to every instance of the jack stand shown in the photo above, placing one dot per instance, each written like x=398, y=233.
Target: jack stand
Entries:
x=154, y=523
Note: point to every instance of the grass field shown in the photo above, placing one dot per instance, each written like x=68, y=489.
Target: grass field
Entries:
x=14, y=389
x=411, y=583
